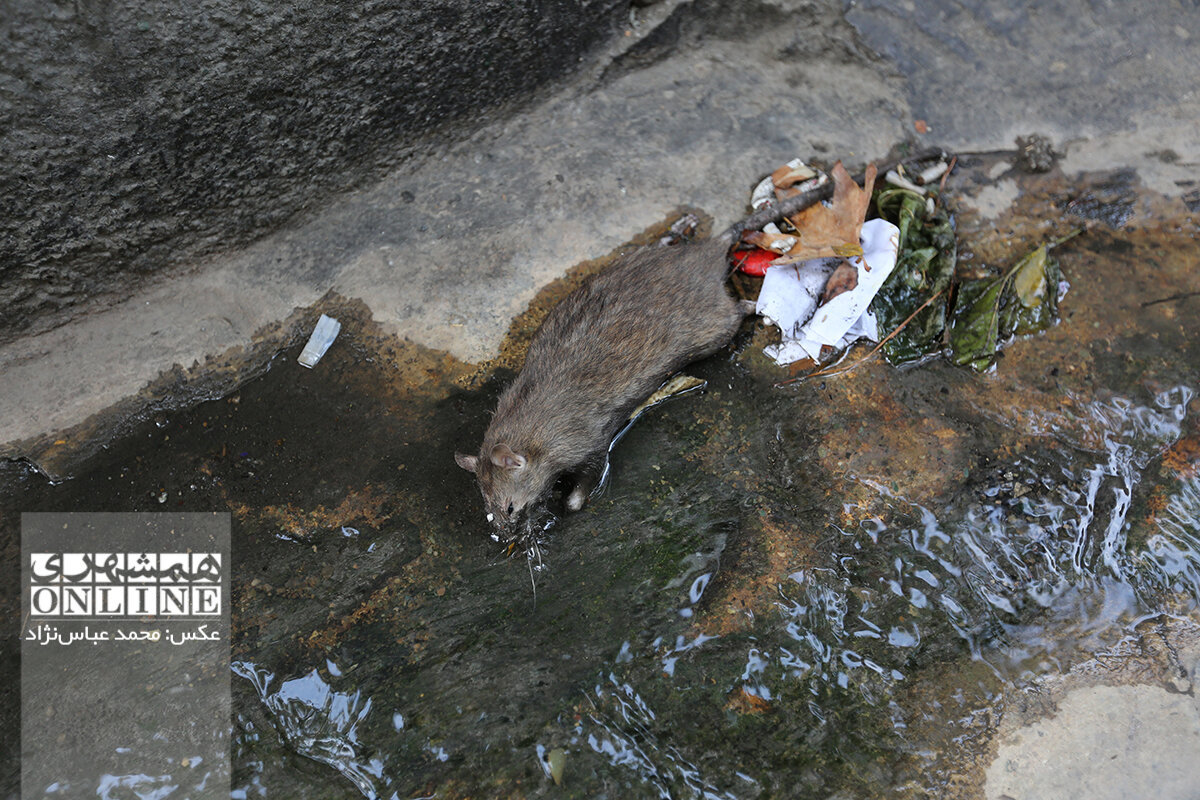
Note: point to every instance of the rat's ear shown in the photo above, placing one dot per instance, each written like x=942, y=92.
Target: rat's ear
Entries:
x=466, y=462
x=503, y=456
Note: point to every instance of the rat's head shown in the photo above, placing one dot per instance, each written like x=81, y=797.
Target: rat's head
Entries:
x=511, y=483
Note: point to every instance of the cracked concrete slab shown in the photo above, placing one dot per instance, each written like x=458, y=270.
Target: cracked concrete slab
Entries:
x=1105, y=742
x=1117, y=727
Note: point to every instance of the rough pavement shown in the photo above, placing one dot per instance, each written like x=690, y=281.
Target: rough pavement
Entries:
x=690, y=106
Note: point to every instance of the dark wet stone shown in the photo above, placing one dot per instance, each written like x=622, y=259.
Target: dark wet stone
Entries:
x=1035, y=153
x=1109, y=201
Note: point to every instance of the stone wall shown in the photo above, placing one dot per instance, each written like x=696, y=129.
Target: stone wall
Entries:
x=139, y=135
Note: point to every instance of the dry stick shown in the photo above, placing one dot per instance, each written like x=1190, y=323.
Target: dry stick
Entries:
x=946, y=174
x=825, y=371
x=1171, y=299
x=792, y=205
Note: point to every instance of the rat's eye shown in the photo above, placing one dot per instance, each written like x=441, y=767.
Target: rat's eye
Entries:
x=510, y=508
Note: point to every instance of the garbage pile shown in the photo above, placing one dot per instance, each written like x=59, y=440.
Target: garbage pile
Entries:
x=882, y=260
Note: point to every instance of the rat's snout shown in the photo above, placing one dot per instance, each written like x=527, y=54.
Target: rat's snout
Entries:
x=500, y=521
x=521, y=526
x=509, y=531
x=505, y=518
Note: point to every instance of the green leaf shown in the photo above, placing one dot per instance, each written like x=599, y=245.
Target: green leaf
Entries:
x=1029, y=278
x=1038, y=316
x=990, y=312
x=924, y=267
x=987, y=314
x=975, y=328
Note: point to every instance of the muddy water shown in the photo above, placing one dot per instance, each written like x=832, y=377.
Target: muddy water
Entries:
x=832, y=589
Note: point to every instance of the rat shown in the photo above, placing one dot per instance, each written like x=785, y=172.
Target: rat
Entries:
x=600, y=352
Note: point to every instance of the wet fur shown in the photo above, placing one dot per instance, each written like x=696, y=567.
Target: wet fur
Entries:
x=601, y=351
x=605, y=348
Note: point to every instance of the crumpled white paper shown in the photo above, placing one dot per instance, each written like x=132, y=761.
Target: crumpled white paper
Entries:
x=322, y=336
x=790, y=293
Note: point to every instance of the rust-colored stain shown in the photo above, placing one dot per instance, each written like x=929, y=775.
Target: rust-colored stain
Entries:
x=1183, y=458
x=742, y=702
x=411, y=371
x=381, y=604
x=1156, y=503
x=363, y=507
x=867, y=431
x=767, y=557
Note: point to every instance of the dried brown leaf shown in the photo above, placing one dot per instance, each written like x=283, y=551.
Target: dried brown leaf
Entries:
x=787, y=175
x=843, y=279
x=776, y=242
x=834, y=230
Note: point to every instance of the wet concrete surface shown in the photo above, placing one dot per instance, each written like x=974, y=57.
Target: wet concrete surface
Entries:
x=689, y=106
x=1117, y=726
x=850, y=587
x=856, y=586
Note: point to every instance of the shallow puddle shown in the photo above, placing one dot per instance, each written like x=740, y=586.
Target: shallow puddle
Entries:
x=830, y=589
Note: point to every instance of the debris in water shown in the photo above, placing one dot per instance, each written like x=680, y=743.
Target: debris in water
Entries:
x=558, y=761
x=677, y=385
x=753, y=262
x=894, y=178
x=322, y=336
x=817, y=302
x=924, y=267
x=790, y=293
x=822, y=306
x=833, y=231
x=1023, y=300
x=1035, y=153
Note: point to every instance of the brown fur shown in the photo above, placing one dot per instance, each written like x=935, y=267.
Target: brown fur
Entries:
x=604, y=349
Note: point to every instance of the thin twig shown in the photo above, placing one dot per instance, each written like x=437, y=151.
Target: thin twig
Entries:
x=532, y=580
x=946, y=174
x=828, y=370
x=1171, y=299
x=1064, y=239
x=792, y=205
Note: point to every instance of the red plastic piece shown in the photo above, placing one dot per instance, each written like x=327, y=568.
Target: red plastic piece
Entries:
x=754, y=262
